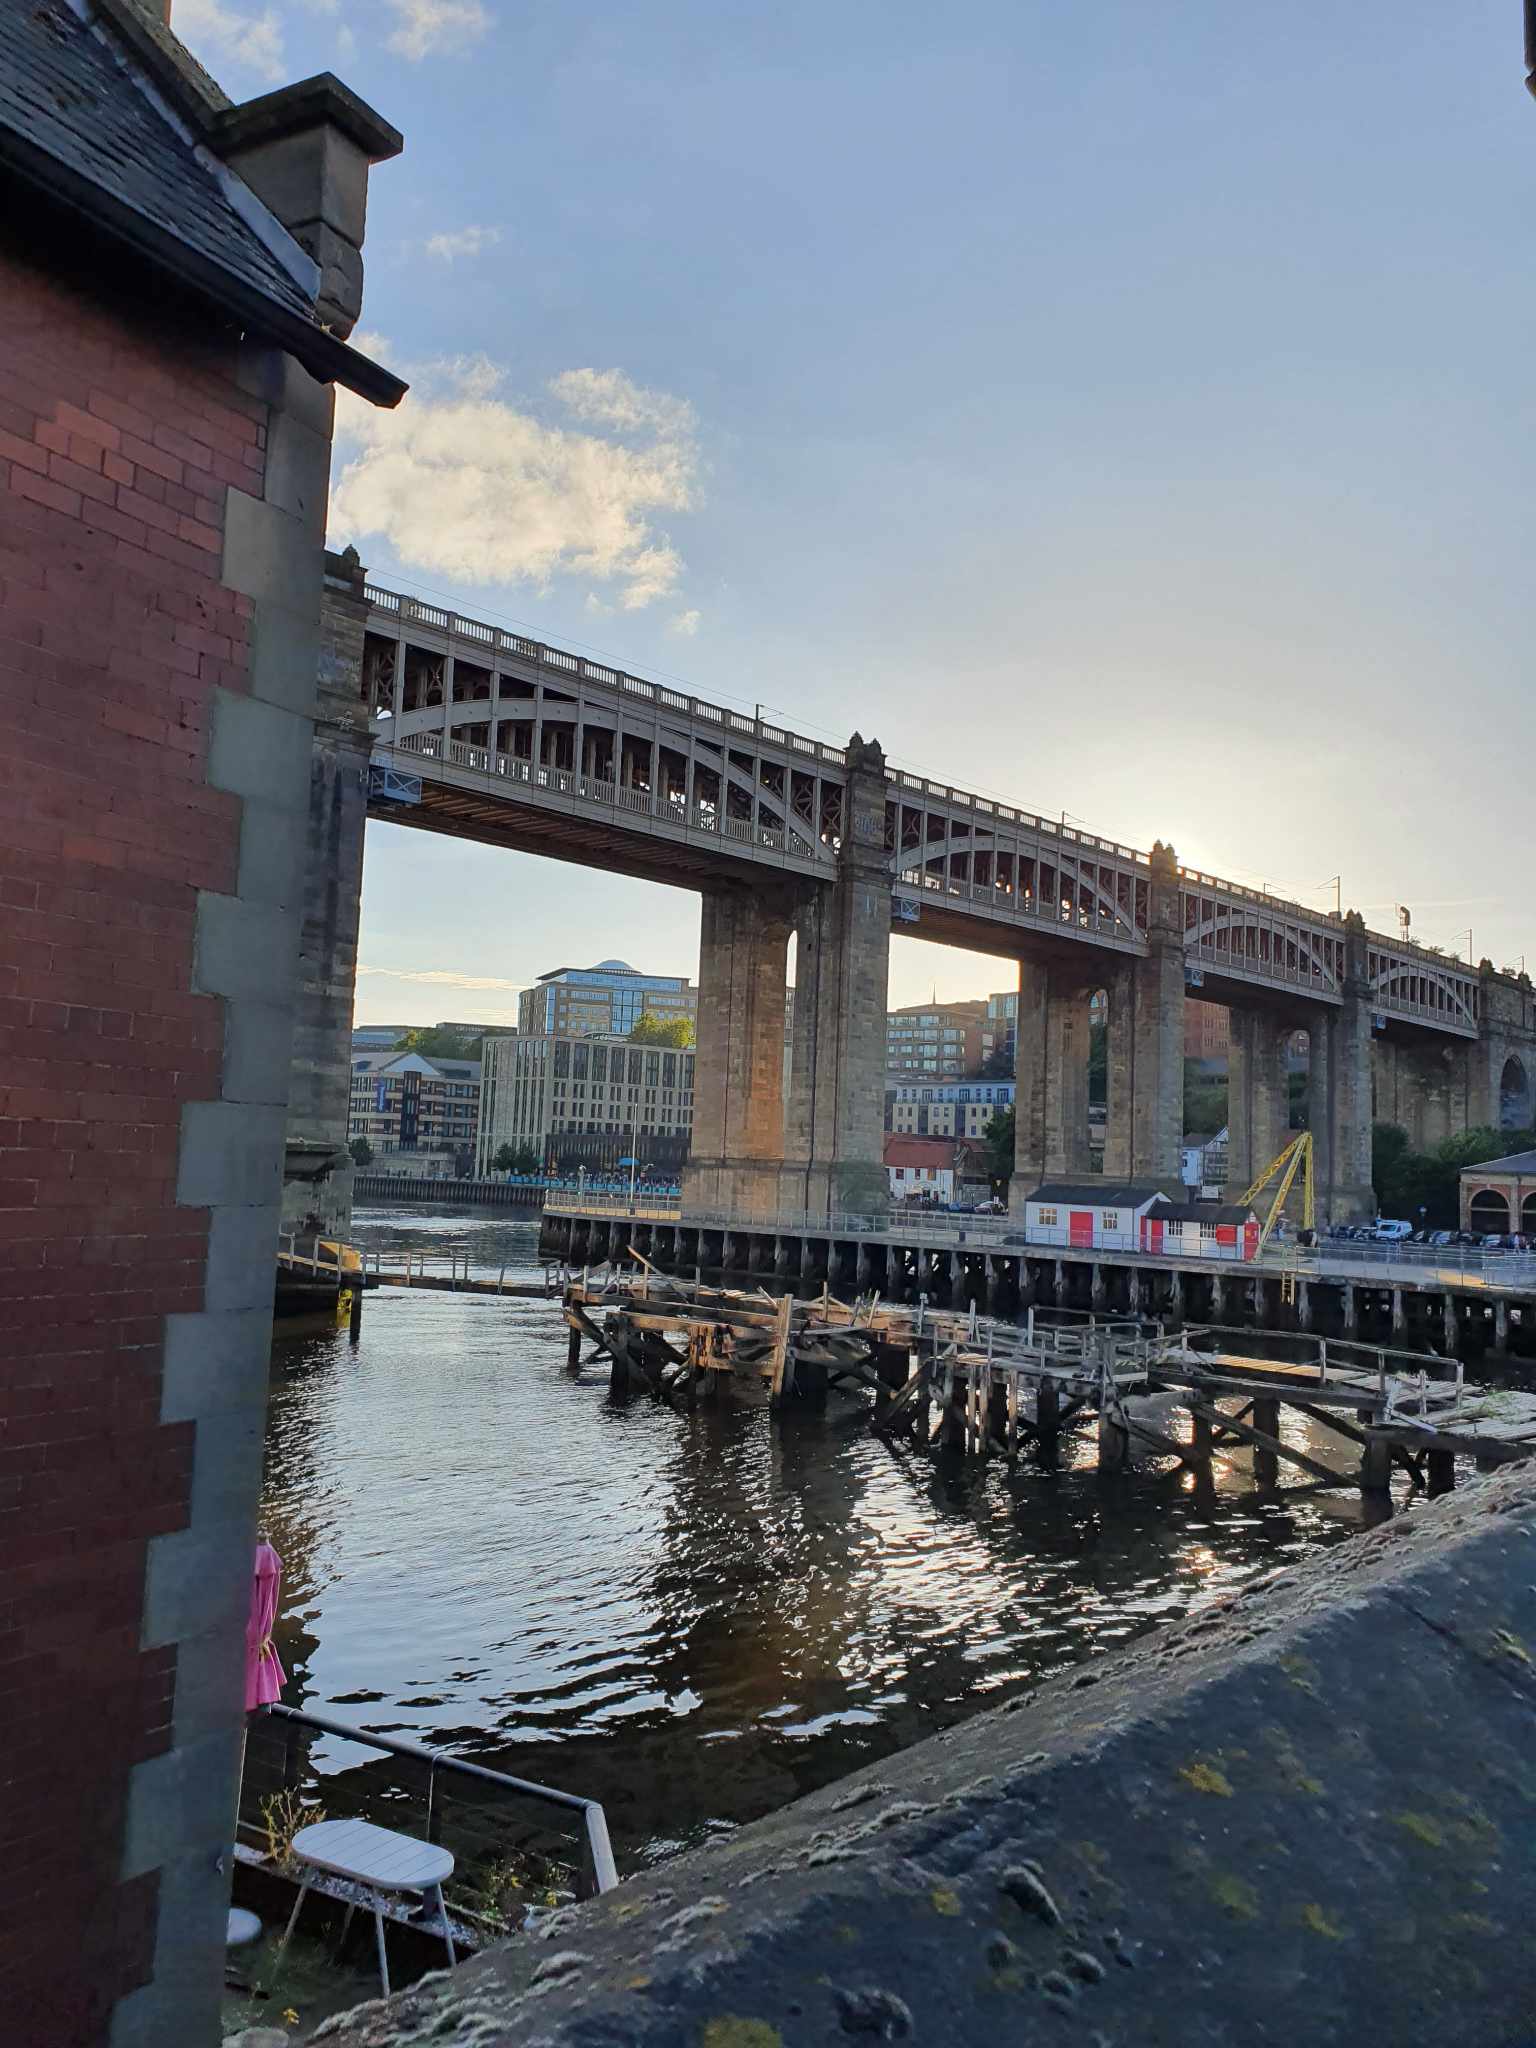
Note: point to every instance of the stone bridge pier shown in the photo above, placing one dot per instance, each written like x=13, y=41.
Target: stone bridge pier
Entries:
x=1145, y=1055
x=822, y=1150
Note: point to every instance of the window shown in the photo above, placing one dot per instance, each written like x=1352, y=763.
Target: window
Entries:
x=1207, y=1230
x=1111, y=1219
x=1047, y=1218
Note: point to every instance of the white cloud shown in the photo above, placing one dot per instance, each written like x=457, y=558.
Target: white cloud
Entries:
x=609, y=397
x=453, y=243
x=465, y=483
x=686, y=623
x=346, y=41
x=442, y=977
x=225, y=35
x=426, y=27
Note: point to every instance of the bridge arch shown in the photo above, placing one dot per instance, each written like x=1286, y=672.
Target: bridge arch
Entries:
x=1515, y=1105
x=1489, y=1210
x=1224, y=933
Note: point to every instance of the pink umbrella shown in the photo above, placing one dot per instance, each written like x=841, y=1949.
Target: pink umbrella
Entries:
x=264, y=1675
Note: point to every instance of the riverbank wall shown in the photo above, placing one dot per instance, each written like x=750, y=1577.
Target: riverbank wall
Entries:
x=1305, y=1813
x=447, y=1194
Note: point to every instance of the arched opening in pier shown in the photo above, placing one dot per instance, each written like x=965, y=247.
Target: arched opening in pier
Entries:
x=1528, y=1215
x=1515, y=1106
x=1489, y=1211
x=1099, y=1081
x=951, y=1047
x=453, y=937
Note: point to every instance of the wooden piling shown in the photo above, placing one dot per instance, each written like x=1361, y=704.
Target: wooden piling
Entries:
x=1266, y=1422
x=1047, y=1419
x=1375, y=1457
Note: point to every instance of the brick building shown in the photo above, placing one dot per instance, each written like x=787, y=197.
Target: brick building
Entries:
x=177, y=276
x=1207, y=1030
x=942, y=1039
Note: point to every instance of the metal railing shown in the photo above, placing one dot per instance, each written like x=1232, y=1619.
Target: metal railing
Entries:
x=433, y=746
x=469, y=1808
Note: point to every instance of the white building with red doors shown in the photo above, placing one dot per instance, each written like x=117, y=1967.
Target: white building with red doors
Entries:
x=1201, y=1230
x=1110, y=1217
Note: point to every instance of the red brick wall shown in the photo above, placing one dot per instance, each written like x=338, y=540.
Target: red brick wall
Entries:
x=117, y=440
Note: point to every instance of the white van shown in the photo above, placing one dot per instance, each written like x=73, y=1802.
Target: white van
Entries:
x=1391, y=1230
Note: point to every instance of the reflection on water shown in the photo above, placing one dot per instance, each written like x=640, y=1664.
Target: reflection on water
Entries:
x=692, y=1616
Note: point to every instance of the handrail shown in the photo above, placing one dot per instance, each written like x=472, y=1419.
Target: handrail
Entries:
x=595, y=1822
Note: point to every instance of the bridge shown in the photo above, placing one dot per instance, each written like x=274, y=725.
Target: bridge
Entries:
x=472, y=730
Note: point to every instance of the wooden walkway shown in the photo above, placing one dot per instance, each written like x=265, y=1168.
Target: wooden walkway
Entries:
x=976, y=1383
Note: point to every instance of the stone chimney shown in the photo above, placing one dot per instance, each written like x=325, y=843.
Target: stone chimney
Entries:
x=306, y=151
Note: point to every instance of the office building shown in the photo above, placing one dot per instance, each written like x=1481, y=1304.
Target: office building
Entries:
x=407, y=1103
x=582, y=1101
x=607, y=1001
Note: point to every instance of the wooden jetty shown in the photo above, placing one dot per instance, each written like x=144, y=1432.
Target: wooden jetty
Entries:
x=976, y=1383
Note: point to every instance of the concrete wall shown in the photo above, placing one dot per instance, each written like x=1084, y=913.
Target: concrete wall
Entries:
x=1302, y=1813
x=161, y=508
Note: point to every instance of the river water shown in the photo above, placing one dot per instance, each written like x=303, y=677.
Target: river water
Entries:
x=693, y=1616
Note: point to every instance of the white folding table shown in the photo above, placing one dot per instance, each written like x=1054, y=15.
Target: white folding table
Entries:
x=379, y=1859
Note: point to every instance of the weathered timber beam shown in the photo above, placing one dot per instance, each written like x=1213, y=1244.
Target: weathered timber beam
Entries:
x=1265, y=1442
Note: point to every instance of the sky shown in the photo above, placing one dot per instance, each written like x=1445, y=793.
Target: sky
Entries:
x=1121, y=411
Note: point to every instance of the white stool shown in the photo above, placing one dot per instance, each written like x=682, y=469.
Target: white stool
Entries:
x=244, y=1927
x=381, y=1860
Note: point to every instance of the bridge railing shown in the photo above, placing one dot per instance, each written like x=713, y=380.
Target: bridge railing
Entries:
x=453, y=624
x=432, y=746
x=409, y=609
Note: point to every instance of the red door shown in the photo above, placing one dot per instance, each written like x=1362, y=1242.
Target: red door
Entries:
x=1080, y=1228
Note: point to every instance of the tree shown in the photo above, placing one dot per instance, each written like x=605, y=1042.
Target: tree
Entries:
x=1098, y=1064
x=1205, y=1101
x=1407, y=1181
x=651, y=1030
x=437, y=1042
x=997, y=1066
x=362, y=1152
x=999, y=1143
x=516, y=1159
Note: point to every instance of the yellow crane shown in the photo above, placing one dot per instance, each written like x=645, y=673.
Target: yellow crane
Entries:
x=1296, y=1158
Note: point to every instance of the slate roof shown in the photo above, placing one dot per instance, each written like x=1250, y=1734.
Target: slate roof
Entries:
x=82, y=126
x=1096, y=1194
x=66, y=92
x=1199, y=1212
x=1512, y=1162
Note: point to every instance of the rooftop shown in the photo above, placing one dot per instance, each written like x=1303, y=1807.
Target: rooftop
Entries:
x=1512, y=1162
x=105, y=115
